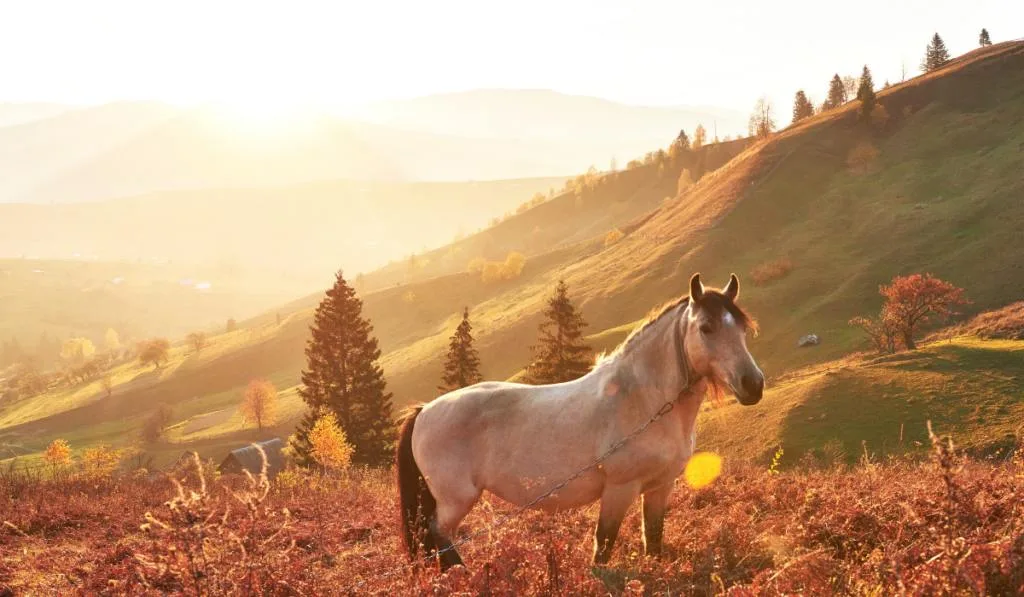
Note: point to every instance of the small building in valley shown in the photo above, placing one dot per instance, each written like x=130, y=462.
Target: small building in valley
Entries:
x=249, y=459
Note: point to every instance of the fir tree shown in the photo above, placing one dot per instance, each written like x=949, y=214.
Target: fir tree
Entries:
x=802, y=107
x=935, y=54
x=681, y=144
x=983, y=39
x=343, y=377
x=462, y=368
x=866, y=93
x=836, y=94
x=561, y=354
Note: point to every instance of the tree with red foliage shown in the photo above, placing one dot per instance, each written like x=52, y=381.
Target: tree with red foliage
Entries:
x=917, y=299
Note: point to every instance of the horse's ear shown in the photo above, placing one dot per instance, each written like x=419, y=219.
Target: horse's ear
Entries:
x=732, y=289
x=696, y=288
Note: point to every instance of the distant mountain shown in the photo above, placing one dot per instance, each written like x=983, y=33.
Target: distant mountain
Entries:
x=20, y=113
x=127, y=149
x=306, y=230
x=549, y=115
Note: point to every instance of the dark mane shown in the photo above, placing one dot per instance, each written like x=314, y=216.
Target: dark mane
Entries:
x=713, y=301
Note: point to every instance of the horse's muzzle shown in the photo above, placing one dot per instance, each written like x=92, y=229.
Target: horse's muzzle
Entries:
x=752, y=390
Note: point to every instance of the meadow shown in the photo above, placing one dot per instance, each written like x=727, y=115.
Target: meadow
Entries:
x=942, y=524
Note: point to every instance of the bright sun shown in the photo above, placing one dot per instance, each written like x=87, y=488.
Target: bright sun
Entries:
x=263, y=116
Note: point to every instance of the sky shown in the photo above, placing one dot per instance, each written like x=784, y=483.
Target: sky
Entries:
x=337, y=54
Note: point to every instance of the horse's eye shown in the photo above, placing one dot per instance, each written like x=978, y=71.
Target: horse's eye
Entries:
x=705, y=328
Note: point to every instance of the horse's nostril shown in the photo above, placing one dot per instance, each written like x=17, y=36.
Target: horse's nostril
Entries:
x=752, y=385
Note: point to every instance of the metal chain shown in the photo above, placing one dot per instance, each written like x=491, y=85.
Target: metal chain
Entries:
x=664, y=410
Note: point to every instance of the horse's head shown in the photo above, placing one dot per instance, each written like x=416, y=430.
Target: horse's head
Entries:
x=715, y=332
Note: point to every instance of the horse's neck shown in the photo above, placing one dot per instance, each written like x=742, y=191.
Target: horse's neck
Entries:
x=653, y=364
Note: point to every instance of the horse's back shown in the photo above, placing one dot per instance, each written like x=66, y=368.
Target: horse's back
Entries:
x=505, y=437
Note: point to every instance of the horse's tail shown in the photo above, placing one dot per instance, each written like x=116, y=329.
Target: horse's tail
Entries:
x=416, y=502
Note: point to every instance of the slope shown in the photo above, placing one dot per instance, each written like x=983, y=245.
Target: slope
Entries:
x=941, y=195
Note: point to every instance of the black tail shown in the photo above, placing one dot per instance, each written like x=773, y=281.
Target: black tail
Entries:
x=417, y=503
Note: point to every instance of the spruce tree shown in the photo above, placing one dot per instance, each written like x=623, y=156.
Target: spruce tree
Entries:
x=462, y=367
x=866, y=93
x=983, y=39
x=342, y=376
x=935, y=54
x=836, y=93
x=802, y=107
x=561, y=354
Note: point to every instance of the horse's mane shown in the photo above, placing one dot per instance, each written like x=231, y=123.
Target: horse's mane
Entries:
x=713, y=301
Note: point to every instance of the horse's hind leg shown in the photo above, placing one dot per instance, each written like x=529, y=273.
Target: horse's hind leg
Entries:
x=615, y=502
x=452, y=507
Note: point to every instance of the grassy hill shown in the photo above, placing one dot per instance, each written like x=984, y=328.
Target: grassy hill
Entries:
x=941, y=195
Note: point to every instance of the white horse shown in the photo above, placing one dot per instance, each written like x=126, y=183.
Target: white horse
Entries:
x=518, y=441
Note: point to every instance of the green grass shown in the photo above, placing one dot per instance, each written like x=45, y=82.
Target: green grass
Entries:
x=968, y=388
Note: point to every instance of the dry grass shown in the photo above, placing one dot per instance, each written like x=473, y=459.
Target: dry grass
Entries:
x=769, y=271
x=947, y=525
x=1006, y=323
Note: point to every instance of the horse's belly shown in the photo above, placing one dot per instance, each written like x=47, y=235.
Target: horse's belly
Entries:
x=540, y=492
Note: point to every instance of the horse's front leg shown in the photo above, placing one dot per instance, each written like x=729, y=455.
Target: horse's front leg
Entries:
x=615, y=501
x=655, y=504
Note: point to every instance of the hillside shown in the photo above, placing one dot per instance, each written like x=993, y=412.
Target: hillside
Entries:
x=942, y=195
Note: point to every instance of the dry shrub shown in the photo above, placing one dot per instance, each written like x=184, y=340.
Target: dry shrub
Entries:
x=496, y=271
x=685, y=182
x=879, y=117
x=229, y=542
x=614, y=235
x=1006, y=323
x=947, y=526
x=770, y=271
x=476, y=265
x=861, y=157
x=100, y=462
x=58, y=455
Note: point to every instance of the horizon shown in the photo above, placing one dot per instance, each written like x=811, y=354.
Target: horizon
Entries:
x=621, y=54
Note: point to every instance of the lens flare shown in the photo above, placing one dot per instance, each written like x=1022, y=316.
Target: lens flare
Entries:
x=702, y=469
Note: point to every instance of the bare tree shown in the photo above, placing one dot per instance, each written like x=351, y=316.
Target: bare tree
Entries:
x=762, y=121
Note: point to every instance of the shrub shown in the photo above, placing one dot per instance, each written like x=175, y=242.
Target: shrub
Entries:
x=57, y=455
x=510, y=269
x=476, y=265
x=330, y=447
x=100, y=462
x=770, y=271
x=156, y=424
x=685, y=182
x=614, y=235
x=861, y=157
x=879, y=117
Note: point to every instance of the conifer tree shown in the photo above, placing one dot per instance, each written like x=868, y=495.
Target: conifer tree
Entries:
x=836, y=94
x=560, y=354
x=866, y=93
x=462, y=367
x=983, y=39
x=802, y=107
x=935, y=54
x=681, y=144
x=342, y=376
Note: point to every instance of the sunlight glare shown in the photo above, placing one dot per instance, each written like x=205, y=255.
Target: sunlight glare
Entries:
x=702, y=469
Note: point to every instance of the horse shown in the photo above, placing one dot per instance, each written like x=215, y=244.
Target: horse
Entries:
x=517, y=441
